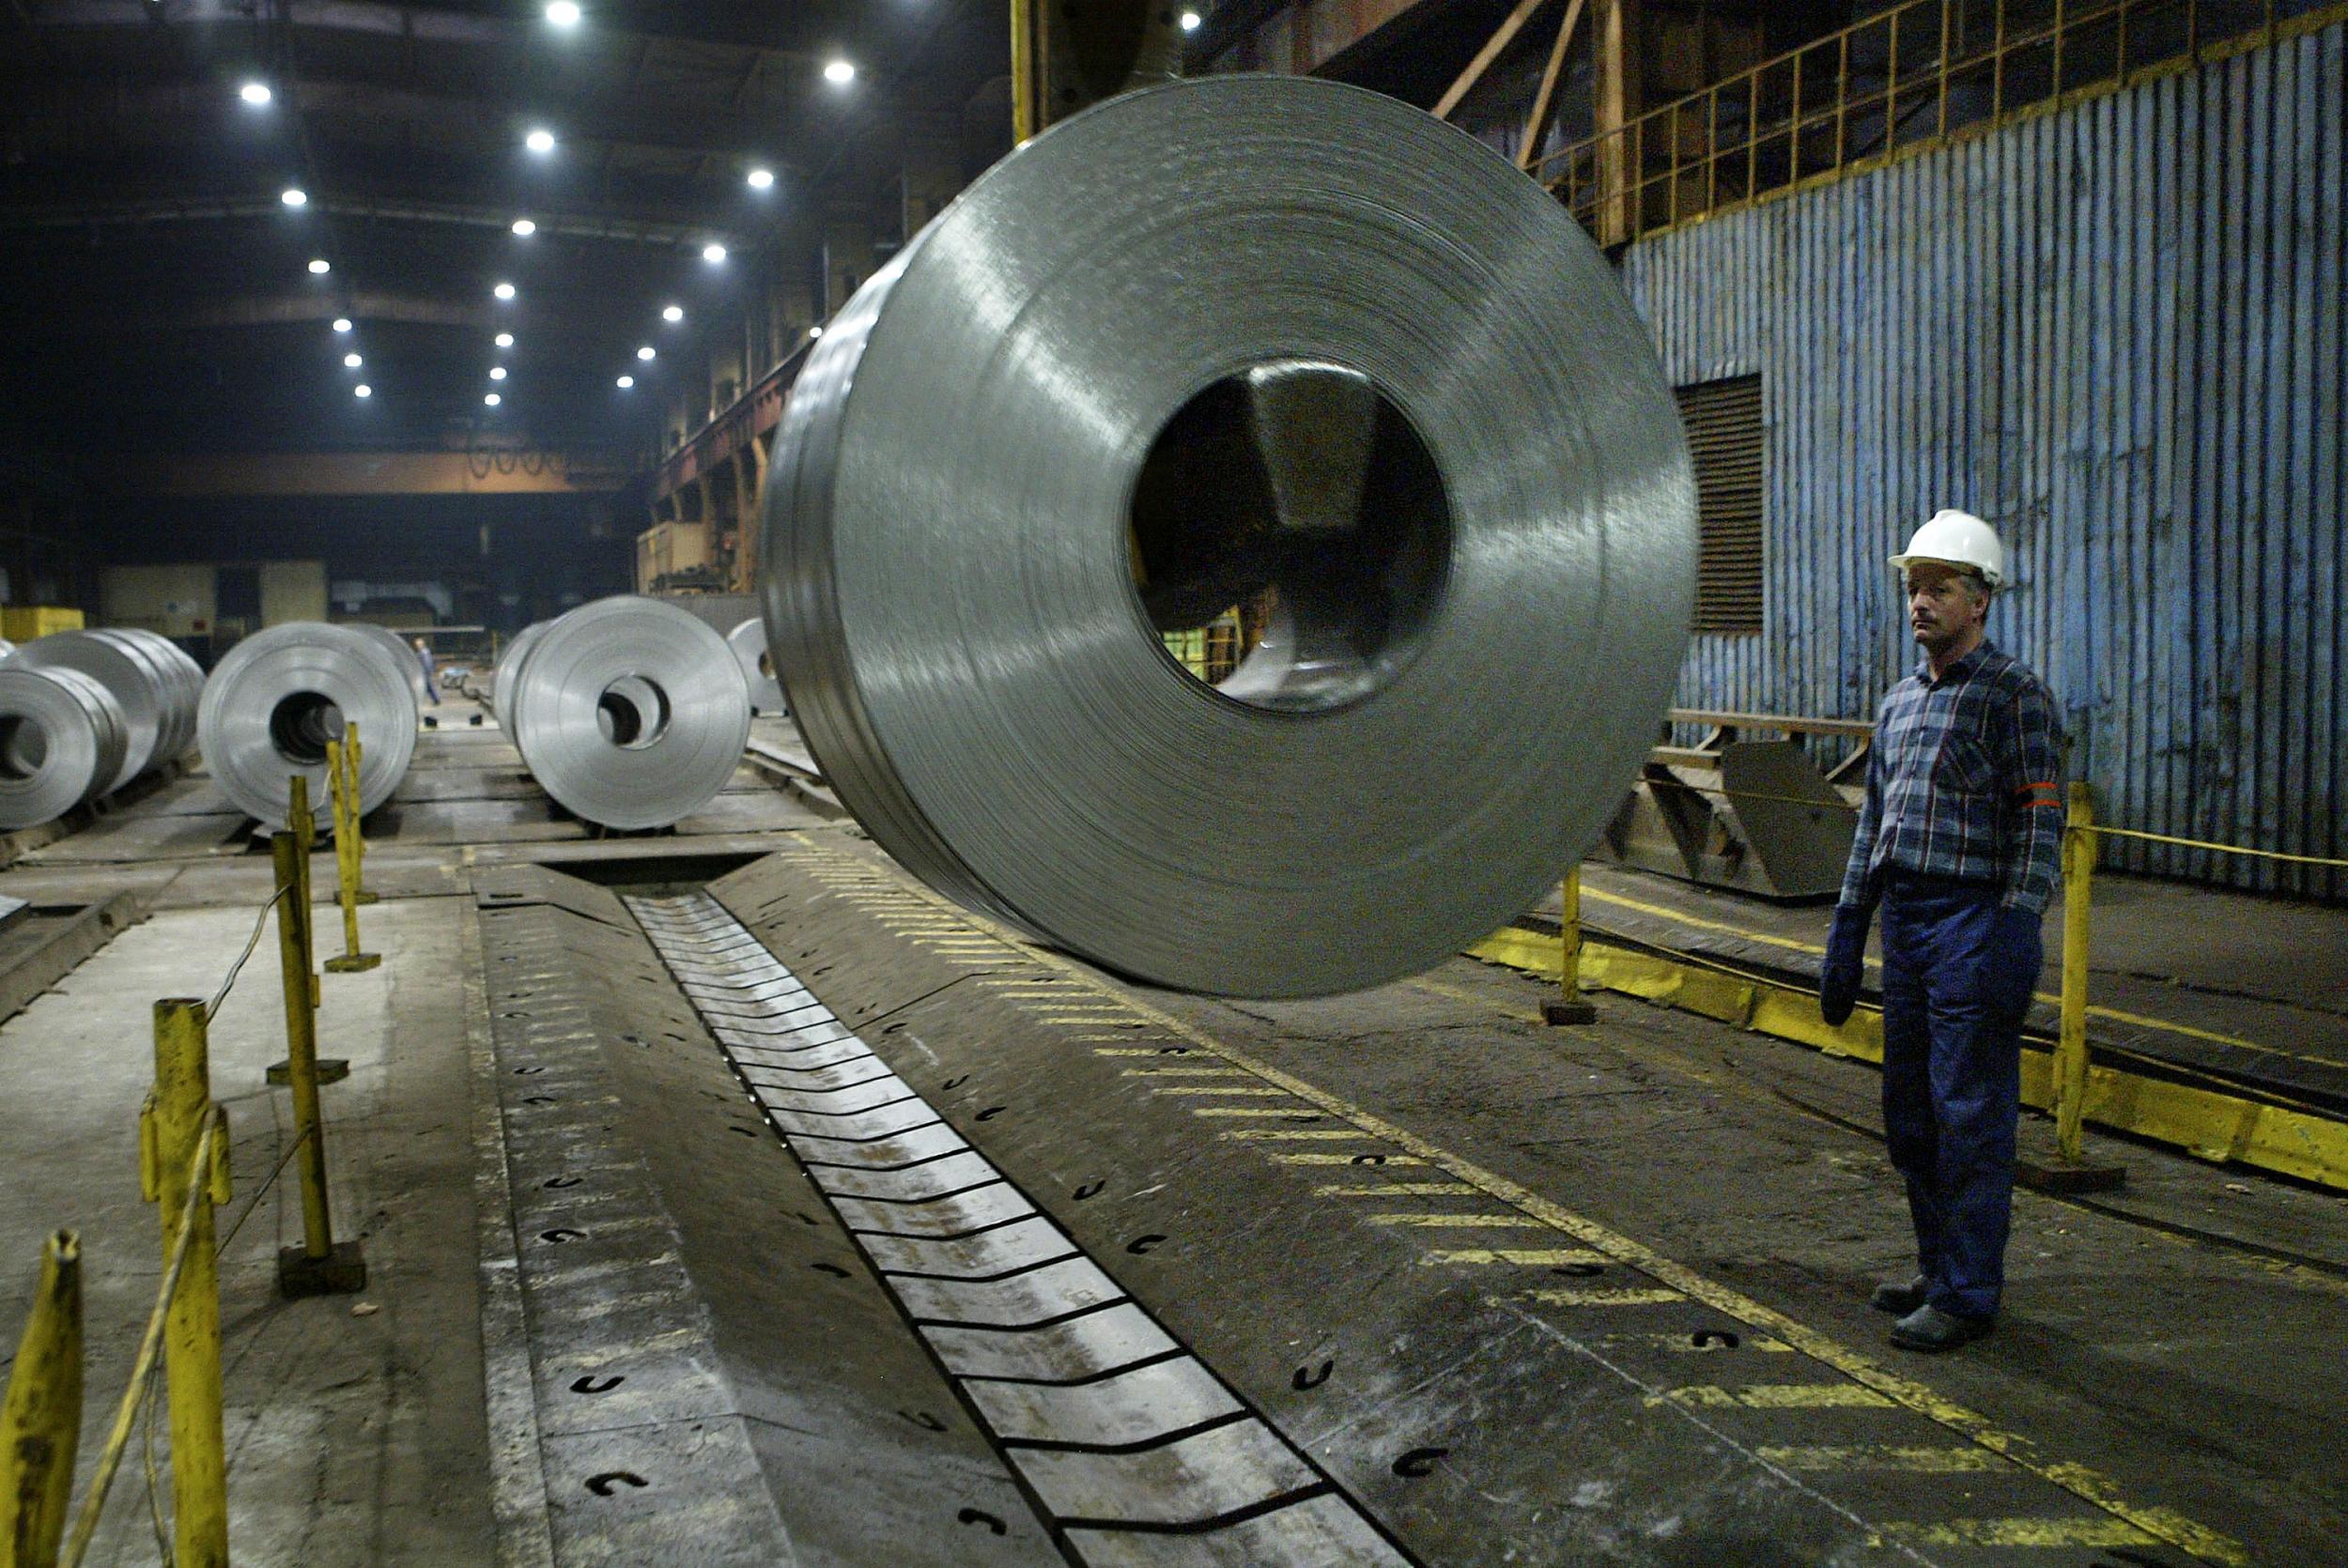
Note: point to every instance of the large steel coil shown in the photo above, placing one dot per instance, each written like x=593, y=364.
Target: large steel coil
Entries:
x=280, y=695
x=748, y=642
x=156, y=706
x=1272, y=345
x=629, y=712
x=403, y=655
x=62, y=740
x=502, y=679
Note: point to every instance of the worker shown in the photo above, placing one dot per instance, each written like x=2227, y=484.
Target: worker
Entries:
x=1958, y=842
x=431, y=689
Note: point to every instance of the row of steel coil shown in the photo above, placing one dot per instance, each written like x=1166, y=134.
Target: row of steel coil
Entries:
x=85, y=713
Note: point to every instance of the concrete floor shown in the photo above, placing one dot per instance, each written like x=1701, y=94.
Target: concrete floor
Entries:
x=2168, y=1360
x=354, y=1435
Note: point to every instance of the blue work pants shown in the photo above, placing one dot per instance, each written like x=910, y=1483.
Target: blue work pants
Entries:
x=1958, y=975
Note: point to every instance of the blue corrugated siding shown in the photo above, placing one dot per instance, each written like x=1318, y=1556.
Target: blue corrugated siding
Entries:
x=2115, y=330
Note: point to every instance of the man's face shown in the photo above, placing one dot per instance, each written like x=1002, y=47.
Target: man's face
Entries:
x=1941, y=604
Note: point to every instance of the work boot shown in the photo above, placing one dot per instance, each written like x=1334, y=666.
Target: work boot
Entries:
x=1900, y=1299
x=1930, y=1329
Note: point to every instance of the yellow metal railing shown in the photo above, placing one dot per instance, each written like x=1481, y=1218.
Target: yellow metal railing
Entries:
x=1908, y=77
x=183, y=1170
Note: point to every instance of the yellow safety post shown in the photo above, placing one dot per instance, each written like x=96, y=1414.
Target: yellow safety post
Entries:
x=172, y=1130
x=353, y=754
x=2070, y=1061
x=1570, y=1008
x=2067, y=1171
x=40, y=1419
x=303, y=825
x=341, y=780
x=321, y=1266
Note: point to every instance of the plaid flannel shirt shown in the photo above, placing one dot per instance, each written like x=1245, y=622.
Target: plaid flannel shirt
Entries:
x=1964, y=783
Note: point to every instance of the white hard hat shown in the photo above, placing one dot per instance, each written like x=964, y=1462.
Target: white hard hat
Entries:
x=1957, y=539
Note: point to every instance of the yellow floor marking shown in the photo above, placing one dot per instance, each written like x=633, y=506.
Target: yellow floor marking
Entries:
x=1296, y=1135
x=2143, y=1020
x=1183, y=1072
x=2086, y=1530
x=1457, y=1222
x=1884, y=1456
x=1130, y=1050
x=1775, y=1397
x=2082, y=1480
x=1066, y=1019
x=1293, y=1114
x=1255, y=1091
x=1626, y=1296
x=1385, y=1162
x=1527, y=1257
x=1396, y=1190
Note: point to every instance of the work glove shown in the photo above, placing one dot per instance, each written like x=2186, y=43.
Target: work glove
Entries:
x=1846, y=963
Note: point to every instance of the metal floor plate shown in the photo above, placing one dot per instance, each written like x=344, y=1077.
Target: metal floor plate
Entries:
x=1133, y=1450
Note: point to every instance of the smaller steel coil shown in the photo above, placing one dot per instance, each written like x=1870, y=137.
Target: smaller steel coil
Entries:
x=748, y=642
x=281, y=695
x=62, y=739
x=155, y=709
x=629, y=712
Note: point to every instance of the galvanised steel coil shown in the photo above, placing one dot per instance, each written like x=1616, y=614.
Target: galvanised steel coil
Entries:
x=62, y=740
x=748, y=642
x=502, y=680
x=280, y=695
x=405, y=655
x=158, y=707
x=629, y=712
x=1274, y=344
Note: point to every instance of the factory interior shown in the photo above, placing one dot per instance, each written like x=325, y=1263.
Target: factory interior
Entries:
x=1233, y=782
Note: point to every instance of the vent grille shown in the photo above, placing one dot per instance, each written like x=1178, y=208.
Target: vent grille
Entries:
x=1723, y=424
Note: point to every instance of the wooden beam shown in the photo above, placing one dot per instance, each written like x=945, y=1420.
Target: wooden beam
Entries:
x=1485, y=56
x=1537, y=121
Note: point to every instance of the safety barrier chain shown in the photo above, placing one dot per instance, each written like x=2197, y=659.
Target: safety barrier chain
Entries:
x=183, y=1170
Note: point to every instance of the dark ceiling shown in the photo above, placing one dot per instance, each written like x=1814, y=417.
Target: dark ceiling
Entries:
x=155, y=291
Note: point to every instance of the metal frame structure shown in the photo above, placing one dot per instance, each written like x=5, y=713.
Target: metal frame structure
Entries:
x=1905, y=79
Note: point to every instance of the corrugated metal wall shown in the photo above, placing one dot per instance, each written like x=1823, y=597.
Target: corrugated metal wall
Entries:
x=2116, y=330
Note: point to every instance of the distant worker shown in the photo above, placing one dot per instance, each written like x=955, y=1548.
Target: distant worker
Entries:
x=1957, y=841
x=431, y=689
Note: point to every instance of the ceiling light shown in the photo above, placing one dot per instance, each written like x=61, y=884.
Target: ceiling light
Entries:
x=713, y=252
x=350, y=362
x=562, y=13
x=539, y=140
x=814, y=332
x=363, y=390
x=497, y=373
x=626, y=381
x=253, y=92
x=506, y=340
x=645, y=352
x=761, y=179
x=840, y=73
x=503, y=291
x=294, y=195
x=524, y=227
x=342, y=324
x=673, y=313
x=1190, y=21
x=493, y=400
x=319, y=265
